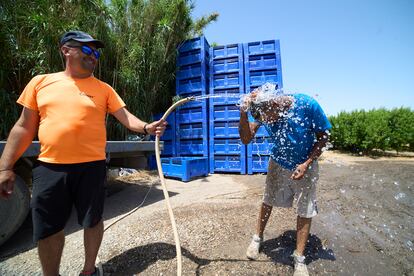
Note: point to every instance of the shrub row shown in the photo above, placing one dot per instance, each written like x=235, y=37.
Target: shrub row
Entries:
x=364, y=131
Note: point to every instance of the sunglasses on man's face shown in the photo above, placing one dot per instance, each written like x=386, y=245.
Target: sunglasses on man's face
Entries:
x=87, y=50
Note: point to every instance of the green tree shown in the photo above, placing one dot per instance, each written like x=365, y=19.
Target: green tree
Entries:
x=141, y=37
x=402, y=129
x=381, y=129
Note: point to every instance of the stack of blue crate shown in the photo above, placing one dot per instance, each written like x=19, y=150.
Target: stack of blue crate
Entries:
x=168, y=139
x=262, y=63
x=227, y=153
x=192, y=80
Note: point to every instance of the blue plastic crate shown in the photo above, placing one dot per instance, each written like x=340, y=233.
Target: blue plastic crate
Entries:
x=191, y=115
x=225, y=113
x=261, y=47
x=234, y=164
x=192, y=57
x=200, y=43
x=231, y=80
x=189, y=86
x=169, y=149
x=170, y=119
x=193, y=147
x=191, y=131
x=259, y=146
x=227, y=51
x=227, y=147
x=229, y=65
x=257, y=78
x=185, y=168
x=189, y=71
x=225, y=96
x=257, y=164
x=224, y=130
x=263, y=62
x=170, y=134
x=152, y=161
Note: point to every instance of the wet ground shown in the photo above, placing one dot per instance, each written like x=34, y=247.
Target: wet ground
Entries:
x=365, y=226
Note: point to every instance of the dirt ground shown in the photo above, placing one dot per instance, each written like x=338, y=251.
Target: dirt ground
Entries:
x=365, y=225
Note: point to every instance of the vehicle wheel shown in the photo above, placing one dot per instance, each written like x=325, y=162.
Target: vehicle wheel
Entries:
x=13, y=211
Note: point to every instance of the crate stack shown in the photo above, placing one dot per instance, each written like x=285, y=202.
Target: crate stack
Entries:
x=262, y=63
x=169, y=136
x=192, y=79
x=227, y=153
x=168, y=139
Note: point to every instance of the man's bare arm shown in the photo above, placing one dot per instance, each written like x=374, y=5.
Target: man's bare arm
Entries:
x=247, y=130
x=20, y=137
x=318, y=147
x=133, y=123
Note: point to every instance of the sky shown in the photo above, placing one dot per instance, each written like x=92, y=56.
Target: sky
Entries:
x=347, y=54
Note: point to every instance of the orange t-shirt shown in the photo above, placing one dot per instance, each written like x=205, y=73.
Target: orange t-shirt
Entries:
x=72, y=116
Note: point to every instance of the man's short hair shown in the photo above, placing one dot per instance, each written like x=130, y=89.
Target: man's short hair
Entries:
x=80, y=36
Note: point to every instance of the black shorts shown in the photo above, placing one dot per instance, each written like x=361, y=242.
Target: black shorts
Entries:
x=57, y=187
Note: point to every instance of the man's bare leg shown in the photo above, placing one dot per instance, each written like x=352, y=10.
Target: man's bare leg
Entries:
x=253, y=250
x=50, y=252
x=302, y=234
x=265, y=211
x=92, y=238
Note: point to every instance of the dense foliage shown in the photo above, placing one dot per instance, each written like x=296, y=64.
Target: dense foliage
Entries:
x=381, y=129
x=141, y=37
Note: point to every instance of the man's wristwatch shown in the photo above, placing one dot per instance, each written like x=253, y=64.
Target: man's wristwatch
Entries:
x=145, y=129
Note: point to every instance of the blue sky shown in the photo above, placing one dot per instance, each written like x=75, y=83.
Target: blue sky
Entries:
x=347, y=54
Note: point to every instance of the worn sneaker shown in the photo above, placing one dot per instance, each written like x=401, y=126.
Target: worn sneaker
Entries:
x=254, y=247
x=300, y=267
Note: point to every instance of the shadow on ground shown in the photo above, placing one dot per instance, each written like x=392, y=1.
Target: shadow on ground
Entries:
x=132, y=195
x=279, y=249
x=138, y=259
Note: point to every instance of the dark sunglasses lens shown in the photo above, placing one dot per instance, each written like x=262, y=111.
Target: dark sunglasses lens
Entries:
x=86, y=50
x=97, y=54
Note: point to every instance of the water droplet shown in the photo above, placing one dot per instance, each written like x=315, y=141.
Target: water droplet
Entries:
x=399, y=196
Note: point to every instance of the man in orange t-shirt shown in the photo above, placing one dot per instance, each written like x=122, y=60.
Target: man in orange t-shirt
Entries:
x=67, y=111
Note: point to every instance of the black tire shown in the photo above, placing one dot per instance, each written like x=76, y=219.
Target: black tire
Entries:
x=13, y=211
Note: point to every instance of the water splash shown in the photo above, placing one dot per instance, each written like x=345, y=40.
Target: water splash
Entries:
x=212, y=96
x=399, y=196
x=409, y=245
x=264, y=93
